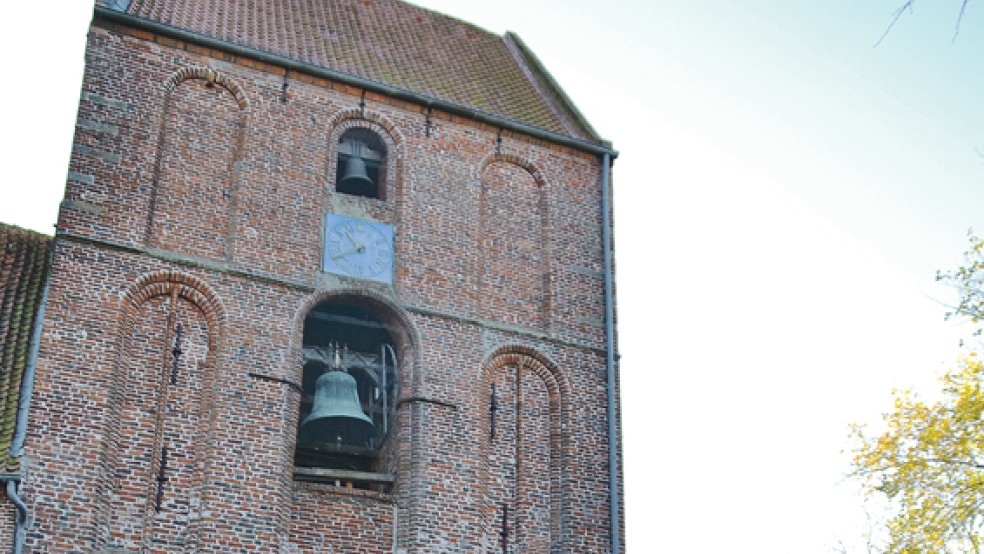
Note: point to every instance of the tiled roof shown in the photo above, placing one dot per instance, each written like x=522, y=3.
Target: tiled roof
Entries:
x=23, y=270
x=388, y=42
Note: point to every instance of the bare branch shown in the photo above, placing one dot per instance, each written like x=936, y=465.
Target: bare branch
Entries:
x=895, y=19
x=954, y=462
x=907, y=6
x=956, y=31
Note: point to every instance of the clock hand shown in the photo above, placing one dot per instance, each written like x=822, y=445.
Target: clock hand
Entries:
x=359, y=249
x=354, y=242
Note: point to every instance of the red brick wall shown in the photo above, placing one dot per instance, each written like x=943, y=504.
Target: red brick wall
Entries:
x=196, y=195
x=514, y=267
x=160, y=407
x=193, y=190
x=7, y=513
x=524, y=483
x=326, y=520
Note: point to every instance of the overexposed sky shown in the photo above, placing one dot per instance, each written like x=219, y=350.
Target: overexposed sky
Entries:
x=784, y=195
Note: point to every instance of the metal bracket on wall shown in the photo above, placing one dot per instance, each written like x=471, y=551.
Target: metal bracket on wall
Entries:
x=504, y=533
x=161, y=479
x=176, y=354
x=262, y=377
x=283, y=90
x=412, y=399
x=493, y=408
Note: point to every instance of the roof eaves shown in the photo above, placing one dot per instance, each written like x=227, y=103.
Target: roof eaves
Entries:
x=24, y=264
x=596, y=146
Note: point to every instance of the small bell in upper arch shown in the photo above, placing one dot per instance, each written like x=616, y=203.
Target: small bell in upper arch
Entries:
x=356, y=179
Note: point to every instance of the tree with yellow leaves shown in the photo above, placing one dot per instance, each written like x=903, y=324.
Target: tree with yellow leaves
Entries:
x=929, y=462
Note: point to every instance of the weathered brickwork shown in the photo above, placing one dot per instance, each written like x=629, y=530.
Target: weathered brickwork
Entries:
x=525, y=481
x=8, y=513
x=513, y=243
x=193, y=188
x=188, y=255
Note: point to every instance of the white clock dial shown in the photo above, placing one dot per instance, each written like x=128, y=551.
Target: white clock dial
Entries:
x=358, y=248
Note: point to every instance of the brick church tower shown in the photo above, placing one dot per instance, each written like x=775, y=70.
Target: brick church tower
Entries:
x=330, y=276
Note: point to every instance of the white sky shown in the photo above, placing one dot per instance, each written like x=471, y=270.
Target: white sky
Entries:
x=784, y=195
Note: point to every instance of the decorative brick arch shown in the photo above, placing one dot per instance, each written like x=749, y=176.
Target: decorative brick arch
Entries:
x=354, y=118
x=161, y=283
x=228, y=178
x=407, y=341
x=210, y=76
x=553, y=377
x=538, y=362
x=523, y=358
x=513, y=159
x=536, y=222
x=176, y=287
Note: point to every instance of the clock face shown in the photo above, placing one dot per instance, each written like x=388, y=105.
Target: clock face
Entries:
x=357, y=248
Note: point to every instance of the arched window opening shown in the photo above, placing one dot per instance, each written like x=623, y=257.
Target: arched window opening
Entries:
x=361, y=168
x=349, y=389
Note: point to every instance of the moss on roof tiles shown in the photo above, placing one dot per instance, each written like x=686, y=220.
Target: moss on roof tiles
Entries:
x=389, y=42
x=23, y=271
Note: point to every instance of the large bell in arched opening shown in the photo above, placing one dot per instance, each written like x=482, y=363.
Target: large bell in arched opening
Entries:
x=336, y=416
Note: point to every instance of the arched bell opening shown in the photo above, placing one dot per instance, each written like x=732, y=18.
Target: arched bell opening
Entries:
x=361, y=168
x=349, y=389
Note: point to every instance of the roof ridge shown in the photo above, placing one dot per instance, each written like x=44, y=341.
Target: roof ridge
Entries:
x=538, y=74
x=457, y=20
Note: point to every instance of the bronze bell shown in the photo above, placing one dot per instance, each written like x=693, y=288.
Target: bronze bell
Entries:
x=337, y=416
x=355, y=174
x=356, y=178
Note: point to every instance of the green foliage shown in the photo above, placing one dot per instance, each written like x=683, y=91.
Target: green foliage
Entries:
x=929, y=462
